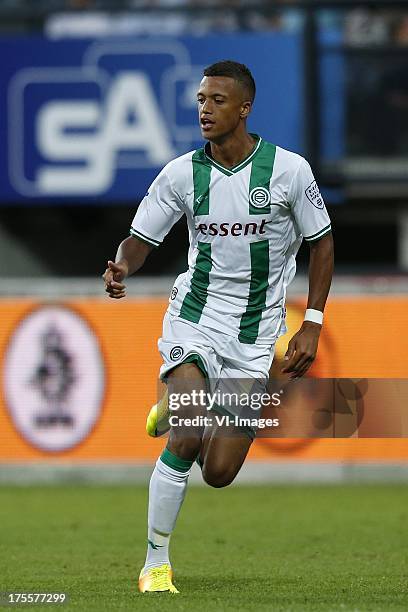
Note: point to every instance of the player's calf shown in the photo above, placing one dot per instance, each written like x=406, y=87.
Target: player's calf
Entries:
x=222, y=456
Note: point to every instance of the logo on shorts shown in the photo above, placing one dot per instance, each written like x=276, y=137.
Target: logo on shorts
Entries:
x=259, y=197
x=314, y=196
x=173, y=293
x=176, y=353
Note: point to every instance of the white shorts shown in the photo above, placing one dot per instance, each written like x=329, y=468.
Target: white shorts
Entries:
x=222, y=356
x=224, y=360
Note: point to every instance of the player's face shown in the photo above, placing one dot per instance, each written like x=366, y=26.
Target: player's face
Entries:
x=221, y=107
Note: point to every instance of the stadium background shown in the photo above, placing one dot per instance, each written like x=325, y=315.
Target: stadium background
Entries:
x=95, y=97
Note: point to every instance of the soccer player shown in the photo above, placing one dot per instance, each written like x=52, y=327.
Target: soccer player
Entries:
x=248, y=205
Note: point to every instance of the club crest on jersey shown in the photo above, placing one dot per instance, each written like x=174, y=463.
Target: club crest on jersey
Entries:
x=259, y=197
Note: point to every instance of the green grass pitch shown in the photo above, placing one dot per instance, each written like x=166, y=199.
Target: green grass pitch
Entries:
x=243, y=548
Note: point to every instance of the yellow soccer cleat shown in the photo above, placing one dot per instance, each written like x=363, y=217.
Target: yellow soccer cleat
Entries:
x=157, y=580
x=157, y=422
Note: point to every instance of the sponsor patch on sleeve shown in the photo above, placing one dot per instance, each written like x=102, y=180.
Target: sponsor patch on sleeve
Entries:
x=314, y=196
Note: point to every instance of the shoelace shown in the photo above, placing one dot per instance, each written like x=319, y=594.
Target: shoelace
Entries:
x=160, y=578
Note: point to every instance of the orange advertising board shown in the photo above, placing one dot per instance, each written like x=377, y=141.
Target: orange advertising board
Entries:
x=97, y=362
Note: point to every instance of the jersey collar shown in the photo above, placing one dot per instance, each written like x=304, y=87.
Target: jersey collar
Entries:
x=241, y=165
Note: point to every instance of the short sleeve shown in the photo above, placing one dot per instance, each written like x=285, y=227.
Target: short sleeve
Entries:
x=159, y=210
x=307, y=205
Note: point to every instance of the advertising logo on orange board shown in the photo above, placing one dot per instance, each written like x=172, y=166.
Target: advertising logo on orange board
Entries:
x=53, y=378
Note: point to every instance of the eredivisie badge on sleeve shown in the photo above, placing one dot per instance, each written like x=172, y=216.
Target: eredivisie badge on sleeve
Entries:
x=314, y=196
x=54, y=378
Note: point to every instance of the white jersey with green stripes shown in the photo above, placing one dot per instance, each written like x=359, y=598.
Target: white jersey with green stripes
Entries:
x=245, y=225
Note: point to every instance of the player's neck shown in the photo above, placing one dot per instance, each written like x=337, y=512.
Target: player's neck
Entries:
x=233, y=150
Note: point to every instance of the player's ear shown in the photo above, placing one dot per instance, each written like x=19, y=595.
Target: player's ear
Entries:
x=245, y=109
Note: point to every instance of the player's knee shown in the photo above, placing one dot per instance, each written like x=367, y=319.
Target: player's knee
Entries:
x=218, y=476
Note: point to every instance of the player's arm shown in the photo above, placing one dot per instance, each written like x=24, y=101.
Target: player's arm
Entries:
x=313, y=221
x=130, y=257
x=321, y=266
x=302, y=348
x=157, y=213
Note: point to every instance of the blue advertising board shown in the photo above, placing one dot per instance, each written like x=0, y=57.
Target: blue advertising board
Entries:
x=95, y=120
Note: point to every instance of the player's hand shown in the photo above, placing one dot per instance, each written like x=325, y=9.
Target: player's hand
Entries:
x=302, y=350
x=113, y=276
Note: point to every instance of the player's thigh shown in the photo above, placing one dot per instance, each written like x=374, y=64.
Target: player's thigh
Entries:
x=186, y=385
x=189, y=361
x=225, y=446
